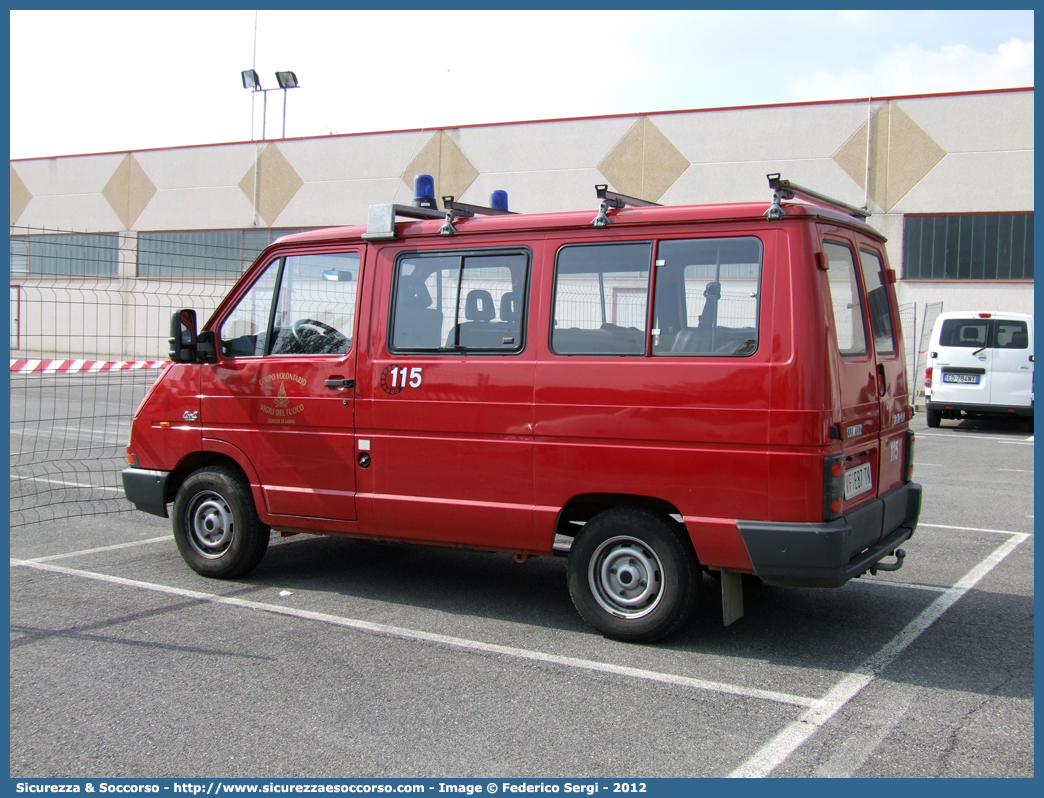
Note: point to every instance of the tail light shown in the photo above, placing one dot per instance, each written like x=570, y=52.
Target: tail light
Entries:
x=928, y=378
x=908, y=465
x=833, y=486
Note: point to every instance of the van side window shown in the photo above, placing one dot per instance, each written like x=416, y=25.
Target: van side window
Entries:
x=314, y=308
x=601, y=299
x=877, y=297
x=449, y=303
x=707, y=297
x=1011, y=334
x=244, y=331
x=846, y=299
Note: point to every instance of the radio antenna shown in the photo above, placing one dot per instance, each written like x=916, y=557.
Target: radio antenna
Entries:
x=416, y=143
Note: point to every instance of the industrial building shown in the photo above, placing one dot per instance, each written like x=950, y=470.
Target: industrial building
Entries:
x=948, y=179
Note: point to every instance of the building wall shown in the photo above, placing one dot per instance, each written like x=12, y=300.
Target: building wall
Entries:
x=963, y=153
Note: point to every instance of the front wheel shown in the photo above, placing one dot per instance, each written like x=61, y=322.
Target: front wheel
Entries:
x=631, y=576
x=216, y=525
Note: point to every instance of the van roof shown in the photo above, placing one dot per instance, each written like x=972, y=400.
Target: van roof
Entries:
x=986, y=314
x=624, y=217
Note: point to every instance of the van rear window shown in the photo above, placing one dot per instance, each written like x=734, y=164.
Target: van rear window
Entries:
x=970, y=333
x=979, y=333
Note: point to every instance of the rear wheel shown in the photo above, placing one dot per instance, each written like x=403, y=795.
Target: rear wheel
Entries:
x=631, y=576
x=934, y=418
x=216, y=525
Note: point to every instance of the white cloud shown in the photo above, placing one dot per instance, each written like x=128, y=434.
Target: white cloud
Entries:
x=909, y=69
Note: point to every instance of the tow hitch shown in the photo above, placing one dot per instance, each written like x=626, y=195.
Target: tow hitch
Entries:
x=892, y=566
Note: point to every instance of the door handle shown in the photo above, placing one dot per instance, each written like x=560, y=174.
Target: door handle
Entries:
x=882, y=380
x=339, y=383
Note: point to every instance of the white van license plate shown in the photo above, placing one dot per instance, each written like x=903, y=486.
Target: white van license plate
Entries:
x=857, y=480
x=968, y=378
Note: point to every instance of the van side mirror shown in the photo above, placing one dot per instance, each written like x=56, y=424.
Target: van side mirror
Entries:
x=183, y=336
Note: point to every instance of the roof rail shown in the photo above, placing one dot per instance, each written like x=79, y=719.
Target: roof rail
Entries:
x=610, y=199
x=784, y=189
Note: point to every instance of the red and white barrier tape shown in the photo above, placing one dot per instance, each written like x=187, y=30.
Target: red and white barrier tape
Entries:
x=82, y=366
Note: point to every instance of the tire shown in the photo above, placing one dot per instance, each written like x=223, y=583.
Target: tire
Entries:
x=628, y=546
x=934, y=418
x=216, y=525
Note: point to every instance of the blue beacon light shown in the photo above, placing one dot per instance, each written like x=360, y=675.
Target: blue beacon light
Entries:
x=498, y=199
x=424, y=192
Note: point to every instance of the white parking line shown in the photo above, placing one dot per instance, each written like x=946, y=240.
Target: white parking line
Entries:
x=775, y=751
x=438, y=639
x=910, y=585
x=971, y=436
x=1020, y=470
x=973, y=529
x=66, y=484
x=114, y=547
x=873, y=725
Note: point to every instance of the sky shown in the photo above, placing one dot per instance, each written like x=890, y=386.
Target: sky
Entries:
x=105, y=81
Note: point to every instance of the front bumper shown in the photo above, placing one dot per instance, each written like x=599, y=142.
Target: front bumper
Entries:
x=828, y=554
x=147, y=490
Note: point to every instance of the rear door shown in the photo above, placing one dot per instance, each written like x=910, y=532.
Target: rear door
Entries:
x=889, y=354
x=857, y=374
x=1012, y=372
x=962, y=362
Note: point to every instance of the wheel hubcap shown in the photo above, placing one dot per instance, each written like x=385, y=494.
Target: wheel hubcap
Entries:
x=211, y=525
x=626, y=577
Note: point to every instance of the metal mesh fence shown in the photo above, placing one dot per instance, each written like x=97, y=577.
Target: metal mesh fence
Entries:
x=917, y=321
x=88, y=336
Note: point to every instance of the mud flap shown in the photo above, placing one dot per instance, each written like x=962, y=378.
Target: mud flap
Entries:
x=731, y=597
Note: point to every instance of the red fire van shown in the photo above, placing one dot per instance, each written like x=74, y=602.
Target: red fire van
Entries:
x=655, y=391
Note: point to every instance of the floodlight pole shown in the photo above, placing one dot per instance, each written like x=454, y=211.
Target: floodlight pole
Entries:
x=251, y=81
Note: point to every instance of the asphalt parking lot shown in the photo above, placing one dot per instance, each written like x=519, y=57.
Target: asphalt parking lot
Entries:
x=355, y=658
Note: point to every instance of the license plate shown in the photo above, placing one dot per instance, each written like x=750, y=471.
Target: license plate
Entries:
x=857, y=481
x=972, y=379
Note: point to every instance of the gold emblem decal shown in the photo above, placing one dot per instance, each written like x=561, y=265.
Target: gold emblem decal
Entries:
x=281, y=399
x=282, y=413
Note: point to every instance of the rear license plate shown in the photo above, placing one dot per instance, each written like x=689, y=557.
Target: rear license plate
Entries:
x=857, y=480
x=972, y=379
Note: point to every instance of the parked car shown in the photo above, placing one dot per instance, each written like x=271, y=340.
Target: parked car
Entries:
x=980, y=364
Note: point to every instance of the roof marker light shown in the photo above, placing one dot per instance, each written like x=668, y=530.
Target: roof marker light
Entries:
x=424, y=192
x=985, y=315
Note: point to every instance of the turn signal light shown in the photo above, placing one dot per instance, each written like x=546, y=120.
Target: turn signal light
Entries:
x=132, y=459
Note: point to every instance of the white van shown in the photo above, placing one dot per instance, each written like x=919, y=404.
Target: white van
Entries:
x=980, y=364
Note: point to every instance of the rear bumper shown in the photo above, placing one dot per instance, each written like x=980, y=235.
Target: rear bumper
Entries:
x=147, y=490
x=985, y=410
x=828, y=554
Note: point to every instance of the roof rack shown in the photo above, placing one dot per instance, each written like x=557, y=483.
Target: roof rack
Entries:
x=610, y=199
x=381, y=222
x=463, y=210
x=380, y=225
x=784, y=189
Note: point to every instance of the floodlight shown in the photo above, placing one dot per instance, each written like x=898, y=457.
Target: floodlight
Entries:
x=287, y=80
x=251, y=80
